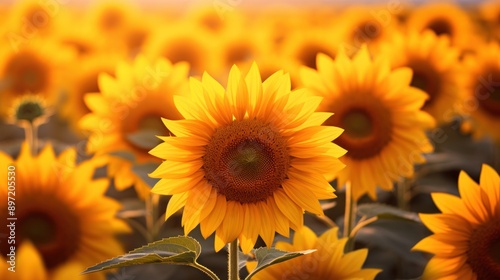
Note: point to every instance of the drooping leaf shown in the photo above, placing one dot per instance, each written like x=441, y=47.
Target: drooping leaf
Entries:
x=124, y=154
x=142, y=170
x=383, y=211
x=181, y=250
x=144, y=138
x=269, y=256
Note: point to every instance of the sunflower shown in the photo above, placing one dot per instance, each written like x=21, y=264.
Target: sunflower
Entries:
x=126, y=114
x=328, y=262
x=481, y=82
x=358, y=26
x=380, y=112
x=34, y=68
x=435, y=69
x=489, y=12
x=62, y=216
x=247, y=160
x=444, y=19
x=183, y=41
x=465, y=243
x=85, y=80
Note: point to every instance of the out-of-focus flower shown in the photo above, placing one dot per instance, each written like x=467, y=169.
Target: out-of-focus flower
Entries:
x=83, y=81
x=328, y=262
x=35, y=68
x=301, y=48
x=184, y=42
x=384, y=125
x=435, y=68
x=466, y=241
x=444, y=19
x=358, y=26
x=248, y=159
x=64, y=221
x=126, y=114
x=29, y=109
x=482, y=90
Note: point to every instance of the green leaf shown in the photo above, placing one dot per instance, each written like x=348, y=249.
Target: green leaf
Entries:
x=383, y=211
x=181, y=250
x=269, y=256
x=124, y=154
x=144, y=138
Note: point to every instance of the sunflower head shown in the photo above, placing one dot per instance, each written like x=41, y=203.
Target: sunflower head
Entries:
x=58, y=219
x=466, y=235
x=32, y=109
x=328, y=261
x=384, y=126
x=248, y=159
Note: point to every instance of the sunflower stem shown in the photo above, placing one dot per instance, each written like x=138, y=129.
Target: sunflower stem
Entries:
x=350, y=210
x=150, y=214
x=233, y=260
x=31, y=137
x=402, y=193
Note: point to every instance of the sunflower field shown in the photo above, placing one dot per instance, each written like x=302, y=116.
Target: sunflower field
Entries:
x=233, y=139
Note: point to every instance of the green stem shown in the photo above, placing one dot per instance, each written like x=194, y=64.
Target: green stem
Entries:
x=207, y=271
x=151, y=211
x=350, y=210
x=233, y=261
x=402, y=193
x=31, y=137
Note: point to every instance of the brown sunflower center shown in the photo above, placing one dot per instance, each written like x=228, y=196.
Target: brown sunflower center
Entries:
x=367, y=125
x=484, y=250
x=26, y=72
x=50, y=225
x=238, y=53
x=487, y=94
x=440, y=26
x=111, y=20
x=307, y=55
x=425, y=78
x=246, y=161
x=184, y=50
x=29, y=111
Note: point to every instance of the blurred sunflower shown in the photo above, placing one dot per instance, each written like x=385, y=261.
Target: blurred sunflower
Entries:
x=380, y=112
x=63, y=217
x=482, y=90
x=83, y=81
x=489, y=12
x=184, y=42
x=126, y=114
x=435, y=69
x=465, y=243
x=444, y=19
x=358, y=26
x=215, y=21
x=37, y=18
x=248, y=159
x=35, y=68
x=328, y=262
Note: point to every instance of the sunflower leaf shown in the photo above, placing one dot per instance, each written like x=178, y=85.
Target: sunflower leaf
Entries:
x=269, y=256
x=144, y=138
x=383, y=211
x=180, y=250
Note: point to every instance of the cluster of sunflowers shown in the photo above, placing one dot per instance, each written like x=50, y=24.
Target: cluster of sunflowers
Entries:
x=246, y=118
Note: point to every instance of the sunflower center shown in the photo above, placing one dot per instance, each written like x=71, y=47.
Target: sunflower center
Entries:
x=357, y=124
x=426, y=79
x=484, y=250
x=246, y=161
x=238, y=53
x=29, y=111
x=367, y=125
x=307, y=56
x=488, y=96
x=184, y=50
x=440, y=27
x=26, y=73
x=50, y=225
